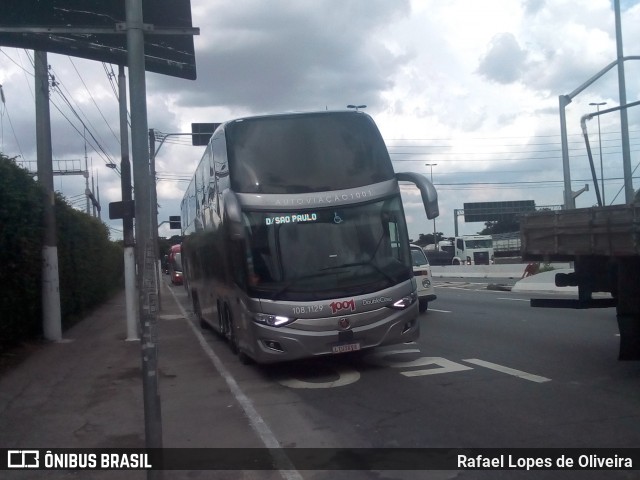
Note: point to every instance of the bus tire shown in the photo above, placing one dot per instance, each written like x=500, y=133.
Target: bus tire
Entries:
x=230, y=331
x=423, y=305
x=244, y=358
x=196, y=310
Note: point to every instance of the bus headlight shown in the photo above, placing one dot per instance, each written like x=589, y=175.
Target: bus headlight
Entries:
x=272, y=320
x=405, y=302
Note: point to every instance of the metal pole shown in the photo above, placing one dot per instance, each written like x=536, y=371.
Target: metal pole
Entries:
x=455, y=222
x=569, y=202
x=131, y=304
x=624, y=122
x=435, y=238
x=604, y=201
x=154, y=208
x=51, y=316
x=98, y=195
x=86, y=172
x=145, y=250
x=597, y=105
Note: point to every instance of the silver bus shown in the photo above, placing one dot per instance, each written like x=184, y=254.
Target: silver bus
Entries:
x=295, y=240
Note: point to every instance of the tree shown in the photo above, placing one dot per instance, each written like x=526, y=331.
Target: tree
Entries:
x=510, y=224
x=426, y=239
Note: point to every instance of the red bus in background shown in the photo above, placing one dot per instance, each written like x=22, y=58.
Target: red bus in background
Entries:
x=175, y=264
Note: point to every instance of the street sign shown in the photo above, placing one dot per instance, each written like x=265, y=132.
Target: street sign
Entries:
x=122, y=209
x=496, y=211
x=202, y=133
x=174, y=222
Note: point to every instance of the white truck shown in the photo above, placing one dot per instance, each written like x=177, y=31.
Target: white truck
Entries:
x=464, y=250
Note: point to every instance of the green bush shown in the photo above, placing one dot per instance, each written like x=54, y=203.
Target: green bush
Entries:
x=21, y=234
x=90, y=266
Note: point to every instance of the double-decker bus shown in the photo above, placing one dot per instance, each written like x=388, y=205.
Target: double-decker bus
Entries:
x=295, y=240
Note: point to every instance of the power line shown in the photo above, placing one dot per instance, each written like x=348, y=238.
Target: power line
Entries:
x=94, y=101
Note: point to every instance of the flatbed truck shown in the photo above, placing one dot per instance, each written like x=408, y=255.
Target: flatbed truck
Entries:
x=604, y=245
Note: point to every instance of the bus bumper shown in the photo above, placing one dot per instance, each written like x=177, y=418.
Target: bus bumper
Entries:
x=287, y=343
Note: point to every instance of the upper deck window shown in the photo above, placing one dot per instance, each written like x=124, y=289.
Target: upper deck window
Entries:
x=301, y=153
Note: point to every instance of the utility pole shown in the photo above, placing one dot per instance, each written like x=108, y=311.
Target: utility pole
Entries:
x=435, y=238
x=154, y=207
x=145, y=250
x=131, y=303
x=598, y=105
x=624, y=122
x=51, y=316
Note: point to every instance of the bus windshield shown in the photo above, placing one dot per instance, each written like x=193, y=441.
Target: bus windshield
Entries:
x=319, y=152
x=483, y=243
x=328, y=253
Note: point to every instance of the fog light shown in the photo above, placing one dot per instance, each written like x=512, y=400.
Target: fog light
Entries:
x=408, y=326
x=272, y=345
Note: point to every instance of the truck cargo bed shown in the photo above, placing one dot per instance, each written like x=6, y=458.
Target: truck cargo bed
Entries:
x=612, y=231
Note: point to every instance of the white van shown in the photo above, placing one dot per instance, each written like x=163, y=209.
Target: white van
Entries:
x=422, y=272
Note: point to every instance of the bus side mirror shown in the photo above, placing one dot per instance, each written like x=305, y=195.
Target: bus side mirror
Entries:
x=233, y=215
x=427, y=190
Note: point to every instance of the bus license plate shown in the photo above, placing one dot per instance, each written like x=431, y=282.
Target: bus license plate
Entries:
x=348, y=347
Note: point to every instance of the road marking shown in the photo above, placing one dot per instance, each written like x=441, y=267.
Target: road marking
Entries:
x=346, y=376
x=441, y=365
x=284, y=464
x=513, y=299
x=436, y=310
x=509, y=371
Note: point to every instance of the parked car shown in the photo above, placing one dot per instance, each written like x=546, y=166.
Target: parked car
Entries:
x=422, y=272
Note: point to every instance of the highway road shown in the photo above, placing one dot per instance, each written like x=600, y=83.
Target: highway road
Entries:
x=487, y=371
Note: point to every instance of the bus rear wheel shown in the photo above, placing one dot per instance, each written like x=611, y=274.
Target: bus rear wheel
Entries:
x=198, y=313
x=229, y=331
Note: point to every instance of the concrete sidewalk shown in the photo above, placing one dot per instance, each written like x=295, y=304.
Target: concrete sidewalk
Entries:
x=86, y=392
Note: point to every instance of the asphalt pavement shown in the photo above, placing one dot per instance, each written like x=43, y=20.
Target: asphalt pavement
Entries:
x=86, y=391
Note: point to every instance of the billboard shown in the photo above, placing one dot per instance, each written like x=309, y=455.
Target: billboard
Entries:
x=497, y=211
x=168, y=54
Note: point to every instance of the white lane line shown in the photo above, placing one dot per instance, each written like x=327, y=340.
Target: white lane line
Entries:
x=287, y=470
x=436, y=310
x=513, y=299
x=509, y=371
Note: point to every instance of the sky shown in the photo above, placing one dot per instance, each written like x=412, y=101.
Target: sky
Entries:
x=464, y=92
